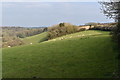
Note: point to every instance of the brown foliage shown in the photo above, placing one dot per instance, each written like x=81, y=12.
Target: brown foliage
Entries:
x=62, y=29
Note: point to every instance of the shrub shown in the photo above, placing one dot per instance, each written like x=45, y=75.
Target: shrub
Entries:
x=103, y=28
x=21, y=35
x=116, y=34
x=62, y=29
x=12, y=43
x=82, y=29
x=91, y=24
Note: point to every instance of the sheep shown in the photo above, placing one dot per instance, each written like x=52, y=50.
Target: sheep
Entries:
x=83, y=35
x=54, y=39
x=90, y=34
x=70, y=36
x=79, y=35
x=9, y=46
x=62, y=38
x=31, y=43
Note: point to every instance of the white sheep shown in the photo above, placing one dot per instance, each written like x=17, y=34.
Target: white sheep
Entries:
x=78, y=35
x=54, y=39
x=70, y=36
x=62, y=38
x=9, y=46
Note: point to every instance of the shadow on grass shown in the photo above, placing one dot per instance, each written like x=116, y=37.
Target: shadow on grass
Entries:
x=116, y=48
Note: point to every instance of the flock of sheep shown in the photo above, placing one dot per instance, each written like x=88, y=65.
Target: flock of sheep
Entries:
x=63, y=38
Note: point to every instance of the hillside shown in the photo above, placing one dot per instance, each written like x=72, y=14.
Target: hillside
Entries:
x=35, y=39
x=11, y=36
x=87, y=54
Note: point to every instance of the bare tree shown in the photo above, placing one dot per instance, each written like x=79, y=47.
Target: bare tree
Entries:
x=112, y=10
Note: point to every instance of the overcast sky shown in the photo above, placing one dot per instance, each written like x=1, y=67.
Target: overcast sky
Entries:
x=33, y=14
x=53, y=0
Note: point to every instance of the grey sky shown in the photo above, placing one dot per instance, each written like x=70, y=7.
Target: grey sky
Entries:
x=32, y=14
x=53, y=0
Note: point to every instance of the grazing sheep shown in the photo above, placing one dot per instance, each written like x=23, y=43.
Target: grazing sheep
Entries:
x=83, y=35
x=70, y=36
x=9, y=46
x=31, y=43
x=62, y=38
x=78, y=35
x=54, y=39
x=90, y=34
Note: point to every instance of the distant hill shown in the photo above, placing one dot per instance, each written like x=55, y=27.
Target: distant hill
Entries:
x=11, y=36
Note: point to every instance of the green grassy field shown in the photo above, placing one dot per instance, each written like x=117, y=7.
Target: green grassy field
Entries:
x=87, y=54
x=35, y=39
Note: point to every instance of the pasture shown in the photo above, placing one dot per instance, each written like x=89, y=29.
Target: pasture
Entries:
x=36, y=38
x=87, y=54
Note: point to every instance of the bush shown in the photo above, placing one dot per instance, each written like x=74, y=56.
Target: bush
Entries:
x=116, y=34
x=82, y=29
x=12, y=43
x=103, y=28
x=21, y=35
x=91, y=24
x=62, y=29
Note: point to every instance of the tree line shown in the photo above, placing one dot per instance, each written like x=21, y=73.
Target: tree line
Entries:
x=11, y=36
x=62, y=29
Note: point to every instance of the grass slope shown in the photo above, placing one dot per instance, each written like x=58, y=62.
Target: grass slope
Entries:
x=88, y=56
x=35, y=39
